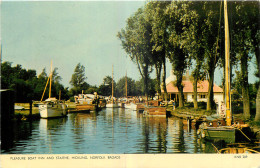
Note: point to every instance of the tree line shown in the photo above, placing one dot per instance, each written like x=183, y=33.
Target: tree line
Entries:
x=28, y=86
x=190, y=34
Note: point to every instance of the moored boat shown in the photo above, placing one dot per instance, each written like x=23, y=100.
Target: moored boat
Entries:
x=131, y=106
x=230, y=134
x=237, y=148
x=112, y=103
x=51, y=107
x=87, y=102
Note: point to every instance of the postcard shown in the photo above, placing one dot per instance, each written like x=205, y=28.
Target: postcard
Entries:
x=130, y=84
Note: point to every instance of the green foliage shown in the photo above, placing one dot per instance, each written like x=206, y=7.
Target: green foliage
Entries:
x=136, y=41
x=188, y=104
x=140, y=90
x=155, y=14
x=202, y=105
x=121, y=87
x=105, y=88
x=26, y=85
x=254, y=123
x=237, y=107
x=78, y=79
x=91, y=90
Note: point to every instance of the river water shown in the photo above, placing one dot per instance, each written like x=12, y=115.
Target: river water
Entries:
x=110, y=131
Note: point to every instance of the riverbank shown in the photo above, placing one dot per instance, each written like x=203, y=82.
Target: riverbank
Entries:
x=185, y=112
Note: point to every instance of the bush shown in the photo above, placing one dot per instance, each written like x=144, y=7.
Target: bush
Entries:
x=254, y=123
x=72, y=99
x=202, y=105
x=189, y=104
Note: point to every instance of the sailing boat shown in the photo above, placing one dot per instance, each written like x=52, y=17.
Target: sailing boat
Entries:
x=229, y=133
x=51, y=107
x=129, y=105
x=112, y=103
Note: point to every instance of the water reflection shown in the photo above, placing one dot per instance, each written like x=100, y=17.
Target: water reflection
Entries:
x=154, y=130
x=108, y=131
x=50, y=131
x=14, y=132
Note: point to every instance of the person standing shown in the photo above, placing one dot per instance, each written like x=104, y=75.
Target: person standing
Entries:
x=173, y=105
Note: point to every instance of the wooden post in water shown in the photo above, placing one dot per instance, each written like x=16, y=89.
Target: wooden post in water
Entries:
x=30, y=114
x=59, y=94
x=227, y=68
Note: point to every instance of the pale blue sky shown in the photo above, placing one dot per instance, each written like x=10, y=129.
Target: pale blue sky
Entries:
x=34, y=33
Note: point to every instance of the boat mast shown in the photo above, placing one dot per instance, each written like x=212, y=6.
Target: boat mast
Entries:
x=50, y=81
x=112, y=85
x=45, y=87
x=227, y=68
x=126, y=84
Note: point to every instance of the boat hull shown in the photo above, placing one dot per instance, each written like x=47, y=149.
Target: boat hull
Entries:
x=52, y=111
x=110, y=105
x=131, y=106
x=87, y=107
x=226, y=134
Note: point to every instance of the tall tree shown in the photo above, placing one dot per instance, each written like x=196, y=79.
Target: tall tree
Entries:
x=211, y=35
x=244, y=32
x=155, y=13
x=136, y=41
x=177, y=53
x=253, y=10
x=192, y=41
x=78, y=78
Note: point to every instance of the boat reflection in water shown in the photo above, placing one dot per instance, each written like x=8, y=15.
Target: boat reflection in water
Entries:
x=48, y=131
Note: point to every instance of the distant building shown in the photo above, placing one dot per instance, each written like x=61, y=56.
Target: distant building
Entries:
x=202, y=89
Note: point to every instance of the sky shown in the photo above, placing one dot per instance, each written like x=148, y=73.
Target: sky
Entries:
x=68, y=33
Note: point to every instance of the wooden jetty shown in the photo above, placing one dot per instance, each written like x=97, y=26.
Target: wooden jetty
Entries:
x=140, y=107
x=90, y=107
x=155, y=111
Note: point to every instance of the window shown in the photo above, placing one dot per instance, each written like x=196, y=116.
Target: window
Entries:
x=202, y=96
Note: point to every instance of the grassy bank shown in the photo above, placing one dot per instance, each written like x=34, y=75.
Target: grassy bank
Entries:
x=180, y=110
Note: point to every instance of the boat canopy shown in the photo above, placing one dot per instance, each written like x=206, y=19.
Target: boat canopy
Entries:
x=51, y=99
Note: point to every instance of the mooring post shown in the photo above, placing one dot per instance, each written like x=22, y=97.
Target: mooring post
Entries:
x=30, y=115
